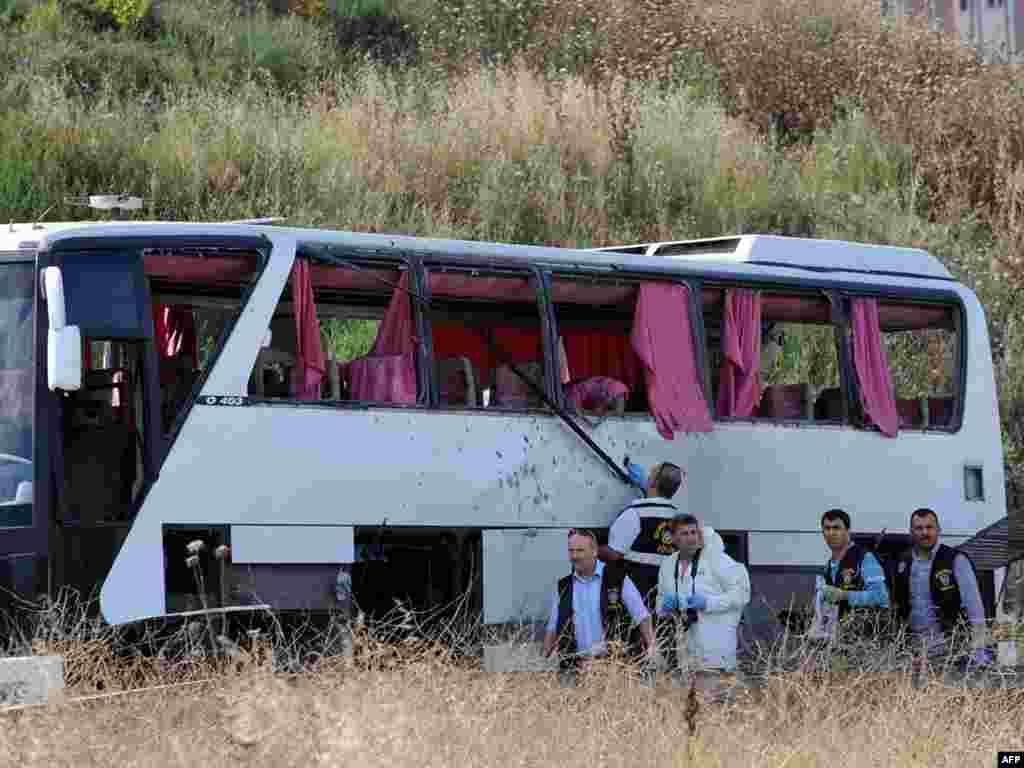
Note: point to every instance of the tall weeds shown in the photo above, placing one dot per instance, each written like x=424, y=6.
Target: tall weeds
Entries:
x=407, y=696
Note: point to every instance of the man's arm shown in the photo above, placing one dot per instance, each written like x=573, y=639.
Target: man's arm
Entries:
x=608, y=555
x=875, y=595
x=970, y=595
x=735, y=583
x=638, y=613
x=621, y=536
x=550, y=641
x=647, y=635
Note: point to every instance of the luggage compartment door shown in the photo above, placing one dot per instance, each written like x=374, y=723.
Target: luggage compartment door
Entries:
x=521, y=567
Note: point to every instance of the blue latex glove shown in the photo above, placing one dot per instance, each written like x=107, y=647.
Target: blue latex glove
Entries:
x=673, y=603
x=982, y=657
x=637, y=474
x=698, y=601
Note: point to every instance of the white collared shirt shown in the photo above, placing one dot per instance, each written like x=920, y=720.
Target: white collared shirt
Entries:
x=586, y=606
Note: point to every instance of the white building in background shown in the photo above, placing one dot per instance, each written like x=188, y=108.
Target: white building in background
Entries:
x=996, y=27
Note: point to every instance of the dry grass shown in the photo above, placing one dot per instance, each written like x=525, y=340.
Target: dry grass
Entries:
x=433, y=713
x=415, y=702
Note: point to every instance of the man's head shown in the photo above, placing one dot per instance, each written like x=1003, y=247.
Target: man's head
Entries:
x=664, y=480
x=835, y=527
x=686, y=536
x=924, y=528
x=583, y=550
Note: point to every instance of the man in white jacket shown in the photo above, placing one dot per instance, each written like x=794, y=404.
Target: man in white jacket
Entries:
x=705, y=590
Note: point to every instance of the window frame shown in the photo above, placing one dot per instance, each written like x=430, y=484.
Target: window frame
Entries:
x=496, y=268
x=168, y=438
x=956, y=306
x=325, y=257
x=577, y=272
x=693, y=285
x=837, y=323
x=838, y=295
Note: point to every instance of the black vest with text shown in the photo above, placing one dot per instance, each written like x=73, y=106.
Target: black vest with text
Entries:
x=849, y=575
x=615, y=618
x=653, y=544
x=945, y=592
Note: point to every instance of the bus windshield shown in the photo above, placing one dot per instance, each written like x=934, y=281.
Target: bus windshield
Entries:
x=16, y=390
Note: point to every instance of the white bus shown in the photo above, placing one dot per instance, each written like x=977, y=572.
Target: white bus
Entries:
x=164, y=382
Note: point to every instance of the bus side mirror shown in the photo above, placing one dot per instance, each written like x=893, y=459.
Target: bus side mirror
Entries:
x=63, y=342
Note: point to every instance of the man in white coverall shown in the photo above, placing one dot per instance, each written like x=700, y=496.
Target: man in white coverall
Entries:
x=705, y=591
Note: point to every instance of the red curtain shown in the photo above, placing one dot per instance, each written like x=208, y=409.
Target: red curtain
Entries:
x=602, y=353
x=872, y=364
x=176, y=332
x=397, y=334
x=388, y=373
x=310, y=366
x=740, y=375
x=663, y=341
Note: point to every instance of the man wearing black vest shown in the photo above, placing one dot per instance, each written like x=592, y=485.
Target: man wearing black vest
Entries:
x=853, y=576
x=641, y=535
x=854, y=583
x=935, y=591
x=594, y=604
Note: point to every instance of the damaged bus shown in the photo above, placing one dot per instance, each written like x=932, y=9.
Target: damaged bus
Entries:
x=421, y=409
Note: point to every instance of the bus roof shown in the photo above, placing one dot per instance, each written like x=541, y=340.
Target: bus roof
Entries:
x=801, y=252
x=740, y=251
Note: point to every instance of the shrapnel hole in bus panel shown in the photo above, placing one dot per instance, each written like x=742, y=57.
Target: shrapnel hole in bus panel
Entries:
x=601, y=375
x=798, y=362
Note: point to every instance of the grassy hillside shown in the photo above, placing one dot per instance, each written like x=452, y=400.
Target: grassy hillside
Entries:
x=570, y=122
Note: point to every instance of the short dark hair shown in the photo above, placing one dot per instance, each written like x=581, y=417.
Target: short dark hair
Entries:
x=684, y=518
x=667, y=479
x=585, y=533
x=836, y=514
x=923, y=512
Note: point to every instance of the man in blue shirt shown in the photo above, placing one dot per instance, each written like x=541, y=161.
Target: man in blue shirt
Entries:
x=591, y=604
x=854, y=588
x=935, y=589
x=853, y=576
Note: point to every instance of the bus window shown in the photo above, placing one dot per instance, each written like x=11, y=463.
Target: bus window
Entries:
x=922, y=345
x=794, y=353
x=358, y=328
x=196, y=298
x=486, y=326
x=17, y=359
x=600, y=372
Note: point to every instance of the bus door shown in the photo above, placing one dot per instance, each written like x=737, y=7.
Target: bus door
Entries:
x=23, y=533
x=101, y=449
